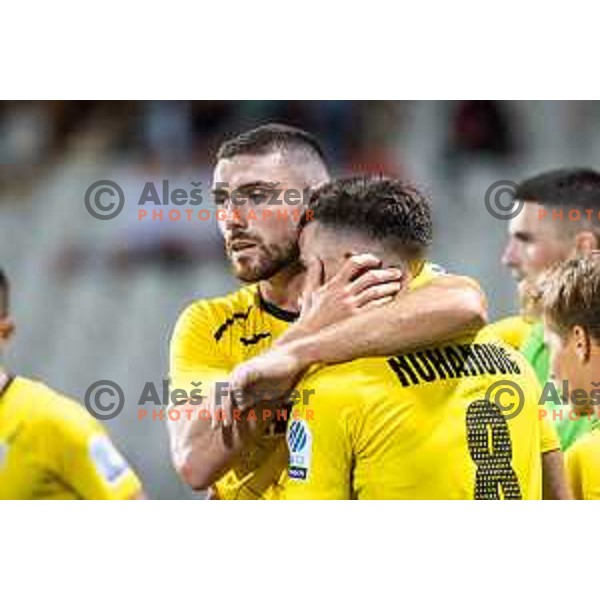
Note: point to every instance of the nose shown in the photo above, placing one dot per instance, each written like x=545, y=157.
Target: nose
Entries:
x=510, y=255
x=235, y=218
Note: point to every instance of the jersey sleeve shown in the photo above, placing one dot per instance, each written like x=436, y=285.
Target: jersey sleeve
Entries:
x=320, y=447
x=85, y=458
x=583, y=467
x=548, y=437
x=434, y=272
x=195, y=360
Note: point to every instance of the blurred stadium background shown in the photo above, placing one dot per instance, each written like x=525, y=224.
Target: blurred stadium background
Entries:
x=97, y=299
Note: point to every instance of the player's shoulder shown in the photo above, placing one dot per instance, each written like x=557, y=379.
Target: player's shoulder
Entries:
x=429, y=271
x=208, y=310
x=489, y=336
x=587, y=445
x=521, y=369
x=433, y=271
x=240, y=299
x=50, y=410
x=513, y=330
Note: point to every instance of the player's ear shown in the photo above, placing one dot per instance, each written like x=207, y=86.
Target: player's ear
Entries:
x=582, y=343
x=585, y=243
x=7, y=328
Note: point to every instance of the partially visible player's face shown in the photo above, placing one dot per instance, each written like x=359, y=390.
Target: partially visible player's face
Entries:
x=7, y=329
x=534, y=245
x=261, y=228
x=333, y=247
x=568, y=360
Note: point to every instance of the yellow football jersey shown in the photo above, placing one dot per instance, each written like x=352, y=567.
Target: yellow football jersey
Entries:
x=549, y=440
x=210, y=338
x=512, y=330
x=583, y=466
x=418, y=426
x=51, y=448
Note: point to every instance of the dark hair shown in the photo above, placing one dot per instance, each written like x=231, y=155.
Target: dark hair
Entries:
x=268, y=138
x=383, y=208
x=574, y=187
x=4, y=288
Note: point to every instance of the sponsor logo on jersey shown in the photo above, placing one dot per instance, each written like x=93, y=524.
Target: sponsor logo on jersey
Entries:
x=299, y=441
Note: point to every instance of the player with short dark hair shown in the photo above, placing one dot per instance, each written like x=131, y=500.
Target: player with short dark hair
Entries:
x=50, y=447
x=559, y=219
x=567, y=187
x=271, y=138
x=417, y=425
x=386, y=209
x=560, y=216
x=213, y=337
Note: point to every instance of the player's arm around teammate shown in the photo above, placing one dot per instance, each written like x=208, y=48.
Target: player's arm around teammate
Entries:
x=338, y=326
x=265, y=252
x=452, y=305
x=202, y=451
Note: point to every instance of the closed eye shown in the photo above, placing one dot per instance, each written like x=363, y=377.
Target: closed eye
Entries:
x=524, y=237
x=219, y=198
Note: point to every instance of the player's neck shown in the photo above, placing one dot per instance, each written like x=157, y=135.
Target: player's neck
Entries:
x=284, y=289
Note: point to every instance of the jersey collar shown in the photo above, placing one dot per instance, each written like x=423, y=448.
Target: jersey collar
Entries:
x=275, y=311
x=6, y=380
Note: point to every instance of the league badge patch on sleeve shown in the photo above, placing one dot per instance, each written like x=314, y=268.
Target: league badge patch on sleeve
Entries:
x=299, y=441
x=107, y=459
x=3, y=453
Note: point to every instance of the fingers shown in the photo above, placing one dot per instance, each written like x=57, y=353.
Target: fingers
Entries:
x=242, y=376
x=378, y=302
x=354, y=266
x=228, y=406
x=221, y=413
x=240, y=380
x=375, y=278
x=212, y=411
x=378, y=293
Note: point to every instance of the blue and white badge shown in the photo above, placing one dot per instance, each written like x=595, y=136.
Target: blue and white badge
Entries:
x=3, y=453
x=299, y=440
x=107, y=459
x=437, y=269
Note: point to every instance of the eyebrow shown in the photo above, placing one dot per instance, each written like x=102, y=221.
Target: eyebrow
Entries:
x=241, y=188
x=523, y=236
